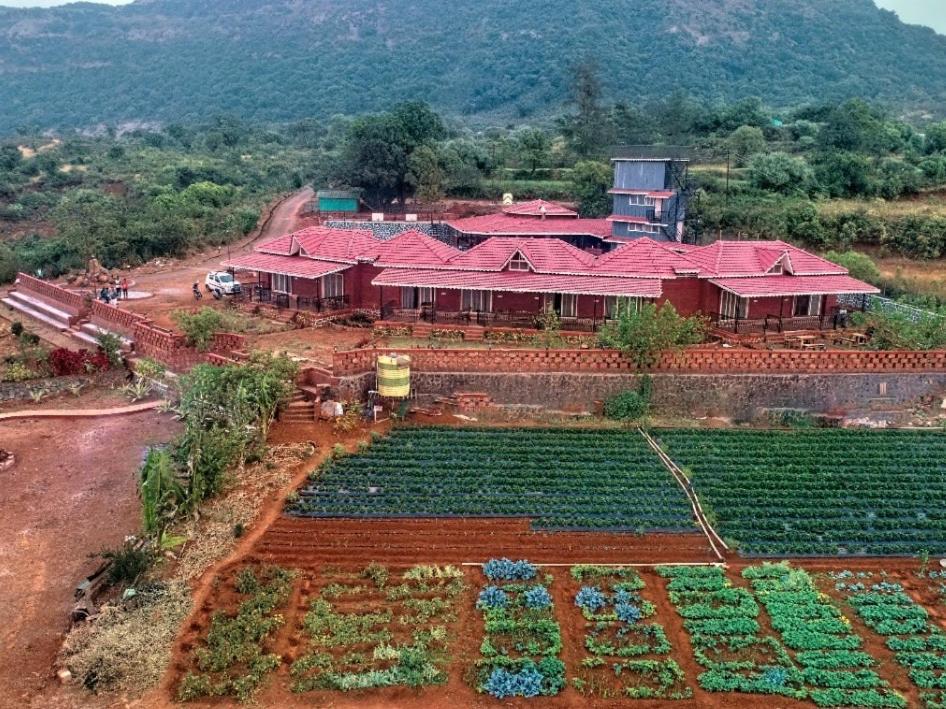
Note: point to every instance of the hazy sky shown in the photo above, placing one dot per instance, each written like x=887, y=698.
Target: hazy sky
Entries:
x=917, y=12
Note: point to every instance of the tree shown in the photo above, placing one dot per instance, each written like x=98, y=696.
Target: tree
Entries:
x=856, y=126
x=860, y=266
x=426, y=175
x=587, y=130
x=780, y=172
x=642, y=335
x=936, y=138
x=744, y=143
x=533, y=147
x=845, y=174
x=591, y=181
x=377, y=151
x=199, y=327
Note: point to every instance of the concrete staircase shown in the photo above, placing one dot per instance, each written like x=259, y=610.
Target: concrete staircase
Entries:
x=87, y=333
x=39, y=309
x=474, y=333
x=422, y=330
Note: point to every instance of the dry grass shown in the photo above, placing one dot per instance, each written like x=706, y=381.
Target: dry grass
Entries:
x=932, y=204
x=129, y=646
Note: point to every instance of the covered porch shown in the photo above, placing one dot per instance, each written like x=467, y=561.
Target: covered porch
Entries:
x=508, y=300
x=292, y=282
x=778, y=304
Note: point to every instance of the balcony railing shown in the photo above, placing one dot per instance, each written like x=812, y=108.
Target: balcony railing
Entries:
x=524, y=320
x=262, y=294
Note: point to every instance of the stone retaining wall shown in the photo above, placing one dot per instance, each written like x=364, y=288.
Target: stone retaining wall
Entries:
x=22, y=391
x=74, y=303
x=740, y=396
x=113, y=318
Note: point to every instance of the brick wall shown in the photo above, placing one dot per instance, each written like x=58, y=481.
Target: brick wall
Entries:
x=113, y=318
x=67, y=300
x=695, y=360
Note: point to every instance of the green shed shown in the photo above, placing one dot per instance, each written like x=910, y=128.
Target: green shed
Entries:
x=337, y=201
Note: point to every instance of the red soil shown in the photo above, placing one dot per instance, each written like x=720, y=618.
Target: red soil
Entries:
x=70, y=494
x=304, y=543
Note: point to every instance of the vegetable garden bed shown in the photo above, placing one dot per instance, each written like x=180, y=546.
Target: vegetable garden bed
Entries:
x=627, y=656
x=562, y=479
x=819, y=492
x=522, y=640
x=373, y=629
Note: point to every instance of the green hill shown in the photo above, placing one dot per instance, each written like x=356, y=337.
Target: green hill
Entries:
x=181, y=60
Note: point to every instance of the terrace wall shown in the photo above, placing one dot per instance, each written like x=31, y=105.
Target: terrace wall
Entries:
x=71, y=302
x=113, y=318
x=739, y=396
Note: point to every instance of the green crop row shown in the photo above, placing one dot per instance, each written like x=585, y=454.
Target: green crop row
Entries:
x=726, y=637
x=834, y=670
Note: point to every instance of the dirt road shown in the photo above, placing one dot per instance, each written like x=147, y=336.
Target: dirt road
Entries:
x=71, y=493
x=171, y=285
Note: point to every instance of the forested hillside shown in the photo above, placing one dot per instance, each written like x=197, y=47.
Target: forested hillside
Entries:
x=182, y=60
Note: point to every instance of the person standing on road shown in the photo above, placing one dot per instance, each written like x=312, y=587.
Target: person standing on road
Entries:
x=124, y=287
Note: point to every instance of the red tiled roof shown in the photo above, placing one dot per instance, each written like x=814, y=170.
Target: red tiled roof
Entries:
x=755, y=258
x=646, y=257
x=281, y=245
x=344, y=245
x=287, y=265
x=535, y=209
x=519, y=282
x=774, y=286
x=545, y=255
x=509, y=225
x=412, y=248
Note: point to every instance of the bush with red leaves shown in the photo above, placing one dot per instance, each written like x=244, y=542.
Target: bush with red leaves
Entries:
x=66, y=362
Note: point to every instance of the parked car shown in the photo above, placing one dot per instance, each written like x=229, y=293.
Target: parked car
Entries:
x=222, y=283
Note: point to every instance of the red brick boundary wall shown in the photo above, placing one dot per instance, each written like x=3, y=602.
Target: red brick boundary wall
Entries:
x=65, y=299
x=111, y=317
x=170, y=348
x=691, y=360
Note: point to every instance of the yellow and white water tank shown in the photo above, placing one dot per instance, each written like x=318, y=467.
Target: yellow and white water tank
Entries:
x=394, y=376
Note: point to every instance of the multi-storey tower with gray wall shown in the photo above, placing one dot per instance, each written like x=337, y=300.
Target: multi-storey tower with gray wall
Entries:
x=649, y=198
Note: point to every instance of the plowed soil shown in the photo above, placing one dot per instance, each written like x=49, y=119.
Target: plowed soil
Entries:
x=304, y=543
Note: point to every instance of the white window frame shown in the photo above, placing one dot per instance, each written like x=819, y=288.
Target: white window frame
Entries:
x=280, y=283
x=646, y=228
x=615, y=305
x=814, y=306
x=641, y=200
x=419, y=296
x=478, y=300
x=518, y=262
x=569, y=305
x=732, y=306
x=333, y=285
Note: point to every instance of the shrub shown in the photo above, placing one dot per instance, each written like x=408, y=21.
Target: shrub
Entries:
x=506, y=570
x=537, y=598
x=630, y=405
x=590, y=598
x=643, y=335
x=128, y=563
x=65, y=362
x=111, y=346
x=492, y=597
x=199, y=327
x=16, y=328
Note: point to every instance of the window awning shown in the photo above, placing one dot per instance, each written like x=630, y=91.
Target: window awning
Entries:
x=297, y=266
x=777, y=286
x=520, y=282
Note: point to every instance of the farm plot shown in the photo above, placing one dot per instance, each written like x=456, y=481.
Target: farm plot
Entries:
x=627, y=655
x=836, y=672
x=372, y=629
x=726, y=636
x=562, y=479
x=918, y=645
x=828, y=492
x=237, y=653
x=522, y=640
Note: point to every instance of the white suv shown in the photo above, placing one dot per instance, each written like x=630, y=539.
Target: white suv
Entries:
x=222, y=282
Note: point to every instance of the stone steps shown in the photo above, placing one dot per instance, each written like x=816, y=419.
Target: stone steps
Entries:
x=298, y=411
x=89, y=332
x=474, y=334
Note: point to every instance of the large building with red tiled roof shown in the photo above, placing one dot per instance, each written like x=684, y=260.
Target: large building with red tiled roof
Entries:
x=512, y=279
